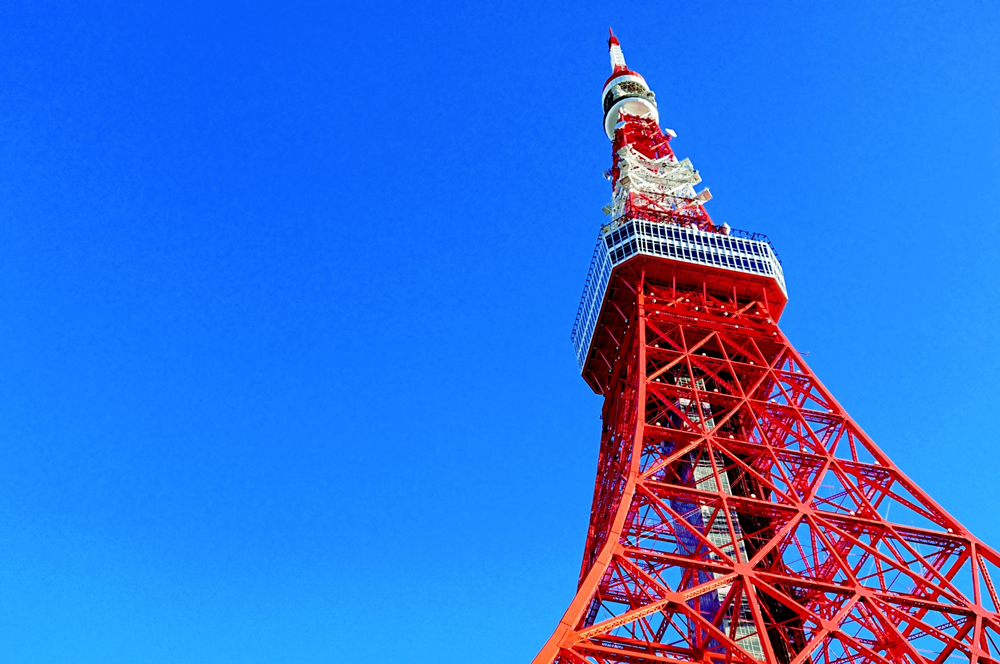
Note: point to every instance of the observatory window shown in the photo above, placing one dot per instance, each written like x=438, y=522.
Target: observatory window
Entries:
x=632, y=88
x=624, y=89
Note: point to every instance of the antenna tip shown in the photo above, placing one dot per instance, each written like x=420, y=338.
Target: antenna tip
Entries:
x=612, y=40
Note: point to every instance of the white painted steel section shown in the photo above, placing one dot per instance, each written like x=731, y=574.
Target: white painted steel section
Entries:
x=666, y=176
x=617, y=57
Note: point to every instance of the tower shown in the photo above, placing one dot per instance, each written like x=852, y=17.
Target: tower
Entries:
x=739, y=513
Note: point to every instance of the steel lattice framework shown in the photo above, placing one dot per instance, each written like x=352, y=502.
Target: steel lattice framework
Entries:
x=740, y=514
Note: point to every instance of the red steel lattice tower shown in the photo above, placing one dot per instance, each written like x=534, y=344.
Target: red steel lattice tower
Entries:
x=739, y=514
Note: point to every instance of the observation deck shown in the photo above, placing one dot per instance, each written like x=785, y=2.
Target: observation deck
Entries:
x=727, y=263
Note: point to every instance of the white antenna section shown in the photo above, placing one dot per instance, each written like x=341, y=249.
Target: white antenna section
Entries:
x=617, y=57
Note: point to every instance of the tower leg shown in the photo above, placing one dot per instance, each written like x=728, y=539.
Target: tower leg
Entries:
x=740, y=515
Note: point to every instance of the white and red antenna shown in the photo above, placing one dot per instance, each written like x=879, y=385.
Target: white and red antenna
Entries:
x=617, y=57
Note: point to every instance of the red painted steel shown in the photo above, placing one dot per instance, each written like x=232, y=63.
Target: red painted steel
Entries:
x=740, y=514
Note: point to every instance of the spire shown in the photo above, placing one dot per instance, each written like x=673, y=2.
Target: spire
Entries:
x=617, y=58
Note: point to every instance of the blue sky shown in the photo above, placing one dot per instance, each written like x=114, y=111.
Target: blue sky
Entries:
x=286, y=293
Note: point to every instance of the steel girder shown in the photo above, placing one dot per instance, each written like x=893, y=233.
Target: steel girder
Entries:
x=740, y=514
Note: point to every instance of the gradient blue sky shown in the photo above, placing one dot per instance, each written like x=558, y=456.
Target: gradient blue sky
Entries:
x=286, y=292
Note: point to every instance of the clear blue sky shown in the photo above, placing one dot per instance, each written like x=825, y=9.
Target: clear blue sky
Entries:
x=286, y=293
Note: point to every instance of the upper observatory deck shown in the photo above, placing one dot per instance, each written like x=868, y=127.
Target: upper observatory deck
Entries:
x=659, y=226
x=731, y=250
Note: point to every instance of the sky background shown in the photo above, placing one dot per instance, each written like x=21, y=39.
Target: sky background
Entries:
x=286, y=292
